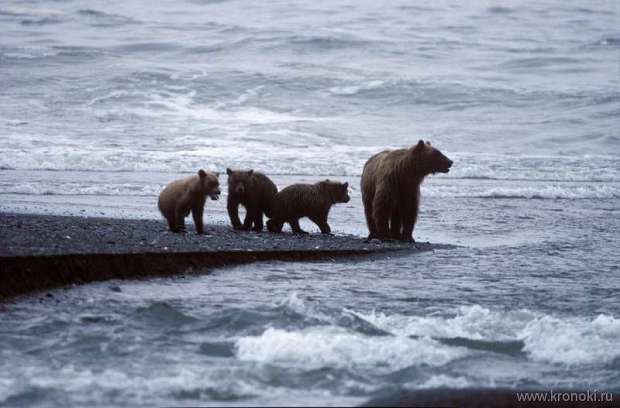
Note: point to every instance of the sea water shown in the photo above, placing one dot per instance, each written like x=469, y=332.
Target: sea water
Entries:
x=103, y=104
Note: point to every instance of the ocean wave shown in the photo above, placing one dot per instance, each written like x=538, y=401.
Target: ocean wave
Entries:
x=80, y=188
x=553, y=193
x=326, y=41
x=163, y=313
x=535, y=191
x=40, y=21
x=183, y=107
x=435, y=339
x=102, y=19
x=35, y=13
x=541, y=62
x=442, y=381
x=330, y=346
x=501, y=10
x=610, y=42
x=27, y=53
x=572, y=341
x=566, y=341
x=356, y=89
x=284, y=154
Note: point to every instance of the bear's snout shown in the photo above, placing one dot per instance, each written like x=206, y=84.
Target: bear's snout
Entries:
x=447, y=163
x=240, y=189
x=215, y=195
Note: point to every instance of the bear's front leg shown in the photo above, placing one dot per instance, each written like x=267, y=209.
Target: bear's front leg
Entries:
x=295, y=226
x=252, y=216
x=197, y=212
x=410, y=215
x=258, y=221
x=321, y=222
x=274, y=226
x=233, y=213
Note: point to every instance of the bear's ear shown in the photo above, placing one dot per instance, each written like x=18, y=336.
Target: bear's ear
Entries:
x=428, y=142
x=346, y=185
x=419, y=147
x=250, y=172
x=202, y=173
x=228, y=171
x=217, y=174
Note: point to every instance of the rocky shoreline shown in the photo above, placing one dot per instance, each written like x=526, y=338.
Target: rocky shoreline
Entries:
x=42, y=251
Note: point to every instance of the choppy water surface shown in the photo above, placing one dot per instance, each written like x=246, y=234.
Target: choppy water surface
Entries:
x=102, y=104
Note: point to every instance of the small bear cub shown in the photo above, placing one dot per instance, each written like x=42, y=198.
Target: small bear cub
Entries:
x=307, y=200
x=255, y=192
x=180, y=197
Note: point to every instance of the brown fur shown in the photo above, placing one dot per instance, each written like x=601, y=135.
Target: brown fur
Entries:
x=391, y=188
x=255, y=192
x=180, y=197
x=307, y=200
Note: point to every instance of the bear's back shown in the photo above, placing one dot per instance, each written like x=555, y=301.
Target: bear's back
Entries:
x=297, y=200
x=172, y=192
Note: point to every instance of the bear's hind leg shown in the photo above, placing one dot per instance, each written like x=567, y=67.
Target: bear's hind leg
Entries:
x=381, y=212
x=395, y=224
x=372, y=231
x=172, y=225
x=295, y=226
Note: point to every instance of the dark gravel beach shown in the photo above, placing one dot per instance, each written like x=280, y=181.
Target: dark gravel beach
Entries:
x=39, y=251
x=29, y=235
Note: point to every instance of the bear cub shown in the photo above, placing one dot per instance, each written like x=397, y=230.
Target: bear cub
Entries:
x=180, y=197
x=391, y=188
x=255, y=192
x=307, y=200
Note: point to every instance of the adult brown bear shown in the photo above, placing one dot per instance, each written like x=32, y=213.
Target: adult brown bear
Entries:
x=391, y=188
x=183, y=196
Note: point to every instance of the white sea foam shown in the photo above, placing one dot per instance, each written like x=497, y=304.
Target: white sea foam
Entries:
x=355, y=89
x=158, y=385
x=441, y=381
x=330, y=346
x=81, y=188
x=296, y=151
x=531, y=191
x=572, y=341
x=472, y=322
x=183, y=106
x=569, y=341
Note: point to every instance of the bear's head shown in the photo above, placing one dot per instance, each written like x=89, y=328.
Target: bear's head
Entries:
x=429, y=160
x=337, y=192
x=239, y=181
x=209, y=184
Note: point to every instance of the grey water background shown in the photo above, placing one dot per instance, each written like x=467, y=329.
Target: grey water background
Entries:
x=102, y=103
